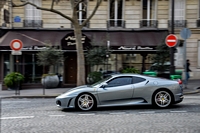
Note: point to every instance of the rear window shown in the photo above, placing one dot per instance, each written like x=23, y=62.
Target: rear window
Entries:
x=138, y=80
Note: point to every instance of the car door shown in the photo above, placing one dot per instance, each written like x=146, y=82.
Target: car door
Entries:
x=140, y=87
x=118, y=90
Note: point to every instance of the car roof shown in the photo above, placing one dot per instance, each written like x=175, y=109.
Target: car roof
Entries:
x=137, y=75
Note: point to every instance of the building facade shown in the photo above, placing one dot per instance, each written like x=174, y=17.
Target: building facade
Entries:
x=134, y=27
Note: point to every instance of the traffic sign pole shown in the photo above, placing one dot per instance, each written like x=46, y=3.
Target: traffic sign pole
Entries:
x=171, y=41
x=16, y=46
x=185, y=34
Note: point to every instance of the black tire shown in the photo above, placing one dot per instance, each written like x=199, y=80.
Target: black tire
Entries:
x=162, y=99
x=85, y=102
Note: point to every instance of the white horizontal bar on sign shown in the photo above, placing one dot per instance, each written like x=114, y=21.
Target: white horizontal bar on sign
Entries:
x=171, y=40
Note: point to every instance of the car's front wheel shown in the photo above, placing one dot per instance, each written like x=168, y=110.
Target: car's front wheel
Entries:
x=162, y=99
x=85, y=102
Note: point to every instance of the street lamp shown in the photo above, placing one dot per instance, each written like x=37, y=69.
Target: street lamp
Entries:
x=172, y=67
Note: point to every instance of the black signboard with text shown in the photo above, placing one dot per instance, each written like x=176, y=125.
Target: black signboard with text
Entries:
x=69, y=42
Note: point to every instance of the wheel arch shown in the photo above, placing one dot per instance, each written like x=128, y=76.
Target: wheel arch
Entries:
x=95, y=99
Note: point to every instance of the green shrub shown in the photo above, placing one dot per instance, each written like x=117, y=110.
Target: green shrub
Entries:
x=13, y=78
x=94, y=77
x=130, y=70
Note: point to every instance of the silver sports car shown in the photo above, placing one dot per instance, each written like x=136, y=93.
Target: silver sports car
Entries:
x=123, y=89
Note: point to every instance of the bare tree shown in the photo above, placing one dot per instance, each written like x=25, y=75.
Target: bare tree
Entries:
x=77, y=29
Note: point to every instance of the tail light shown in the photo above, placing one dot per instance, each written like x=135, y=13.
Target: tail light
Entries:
x=180, y=82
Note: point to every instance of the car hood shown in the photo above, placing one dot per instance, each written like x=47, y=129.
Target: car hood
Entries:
x=79, y=87
x=74, y=91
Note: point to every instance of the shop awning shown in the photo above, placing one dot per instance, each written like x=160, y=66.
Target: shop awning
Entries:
x=128, y=38
x=117, y=39
x=32, y=38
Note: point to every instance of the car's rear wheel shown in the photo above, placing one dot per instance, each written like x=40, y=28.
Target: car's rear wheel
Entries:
x=85, y=102
x=162, y=99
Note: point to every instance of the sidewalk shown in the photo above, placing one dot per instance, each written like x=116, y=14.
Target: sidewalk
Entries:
x=192, y=88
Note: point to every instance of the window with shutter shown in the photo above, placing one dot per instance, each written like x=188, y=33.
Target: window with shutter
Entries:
x=198, y=54
x=82, y=11
x=149, y=13
x=116, y=13
x=33, y=15
x=179, y=13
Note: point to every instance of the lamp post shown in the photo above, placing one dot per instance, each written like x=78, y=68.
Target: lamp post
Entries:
x=172, y=67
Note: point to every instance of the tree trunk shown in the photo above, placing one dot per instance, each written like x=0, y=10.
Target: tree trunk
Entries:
x=80, y=55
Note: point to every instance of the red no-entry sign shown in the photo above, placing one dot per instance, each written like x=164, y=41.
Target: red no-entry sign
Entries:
x=171, y=40
x=16, y=44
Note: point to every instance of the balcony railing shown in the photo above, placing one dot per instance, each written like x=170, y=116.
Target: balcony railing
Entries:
x=80, y=22
x=198, y=23
x=116, y=23
x=33, y=23
x=178, y=23
x=150, y=23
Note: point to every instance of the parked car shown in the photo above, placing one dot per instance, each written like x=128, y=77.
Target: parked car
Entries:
x=123, y=89
x=154, y=69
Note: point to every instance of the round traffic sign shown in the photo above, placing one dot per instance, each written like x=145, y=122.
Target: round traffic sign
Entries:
x=16, y=44
x=171, y=40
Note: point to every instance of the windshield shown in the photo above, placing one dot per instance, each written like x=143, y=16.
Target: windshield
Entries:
x=101, y=81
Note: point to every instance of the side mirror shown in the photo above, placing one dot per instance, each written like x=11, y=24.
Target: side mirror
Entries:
x=103, y=85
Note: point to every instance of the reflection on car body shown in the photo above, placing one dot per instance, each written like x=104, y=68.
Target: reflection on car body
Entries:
x=123, y=89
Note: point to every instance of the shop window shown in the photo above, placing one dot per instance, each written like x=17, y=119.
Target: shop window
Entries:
x=32, y=71
x=6, y=64
x=18, y=62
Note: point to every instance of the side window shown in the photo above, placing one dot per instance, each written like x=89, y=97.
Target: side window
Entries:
x=138, y=80
x=120, y=81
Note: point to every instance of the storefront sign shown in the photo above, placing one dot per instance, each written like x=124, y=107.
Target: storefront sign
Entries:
x=33, y=48
x=135, y=48
x=69, y=42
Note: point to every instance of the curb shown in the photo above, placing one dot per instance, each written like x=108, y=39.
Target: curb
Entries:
x=191, y=92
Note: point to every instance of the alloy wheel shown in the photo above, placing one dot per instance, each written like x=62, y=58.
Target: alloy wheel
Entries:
x=163, y=99
x=85, y=102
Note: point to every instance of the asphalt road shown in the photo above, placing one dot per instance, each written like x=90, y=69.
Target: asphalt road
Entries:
x=42, y=116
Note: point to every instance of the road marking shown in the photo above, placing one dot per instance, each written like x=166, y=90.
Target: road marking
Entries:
x=19, y=117
x=86, y=114
x=56, y=115
x=148, y=112
x=118, y=113
x=178, y=111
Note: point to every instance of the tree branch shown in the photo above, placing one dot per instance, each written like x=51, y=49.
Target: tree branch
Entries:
x=93, y=12
x=52, y=4
x=44, y=9
x=77, y=4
